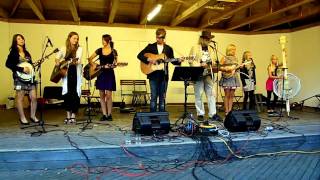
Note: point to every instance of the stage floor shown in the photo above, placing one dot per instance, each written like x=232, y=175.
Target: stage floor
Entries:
x=106, y=144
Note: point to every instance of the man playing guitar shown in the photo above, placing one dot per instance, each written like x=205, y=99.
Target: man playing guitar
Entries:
x=204, y=56
x=18, y=56
x=158, y=79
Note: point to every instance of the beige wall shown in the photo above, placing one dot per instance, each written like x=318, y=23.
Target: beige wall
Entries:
x=304, y=62
x=129, y=41
x=6, y=77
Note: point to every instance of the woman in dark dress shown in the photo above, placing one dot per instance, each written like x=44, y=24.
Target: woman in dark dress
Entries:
x=106, y=81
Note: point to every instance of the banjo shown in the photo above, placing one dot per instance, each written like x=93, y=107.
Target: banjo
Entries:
x=24, y=76
x=31, y=75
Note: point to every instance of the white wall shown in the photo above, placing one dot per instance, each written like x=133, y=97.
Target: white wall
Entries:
x=304, y=62
x=6, y=77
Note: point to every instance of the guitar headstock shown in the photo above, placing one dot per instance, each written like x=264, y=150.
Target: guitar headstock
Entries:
x=122, y=64
x=187, y=58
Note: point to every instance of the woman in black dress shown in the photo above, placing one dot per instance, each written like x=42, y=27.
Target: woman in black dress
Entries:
x=106, y=81
x=18, y=55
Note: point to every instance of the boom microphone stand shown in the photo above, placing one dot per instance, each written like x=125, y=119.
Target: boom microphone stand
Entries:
x=41, y=120
x=214, y=47
x=88, y=96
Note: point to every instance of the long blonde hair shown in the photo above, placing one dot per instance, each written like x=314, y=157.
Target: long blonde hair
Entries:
x=245, y=57
x=71, y=50
x=229, y=48
x=271, y=65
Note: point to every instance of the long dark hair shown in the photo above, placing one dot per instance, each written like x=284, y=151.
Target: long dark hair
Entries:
x=14, y=45
x=70, y=50
x=108, y=39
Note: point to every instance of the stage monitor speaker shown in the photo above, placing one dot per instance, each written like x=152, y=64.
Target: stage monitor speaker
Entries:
x=151, y=123
x=240, y=121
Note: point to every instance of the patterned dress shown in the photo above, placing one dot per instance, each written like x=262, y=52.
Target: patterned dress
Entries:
x=229, y=80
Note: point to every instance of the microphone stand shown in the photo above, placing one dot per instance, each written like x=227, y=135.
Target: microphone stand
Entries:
x=214, y=47
x=85, y=123
x=41, y=121
x=283, y=103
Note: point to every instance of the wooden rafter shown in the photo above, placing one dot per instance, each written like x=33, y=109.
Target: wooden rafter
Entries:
x=4, y=13
x=205, y=18
x=176, y=11
x=74, y=11
x=114, y=8
x=37, y=10
x=254, y=18
x=198, y=5
x=148, y=5
x=227, y=13
x=287, y=19
x=15, y=7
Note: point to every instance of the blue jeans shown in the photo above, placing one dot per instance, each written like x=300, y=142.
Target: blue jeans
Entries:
x=158, y=89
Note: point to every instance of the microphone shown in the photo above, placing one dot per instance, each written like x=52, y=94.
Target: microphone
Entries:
x=49, y=41
x=87, y=38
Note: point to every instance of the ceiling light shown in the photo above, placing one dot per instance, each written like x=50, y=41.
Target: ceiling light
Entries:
x=154, y=12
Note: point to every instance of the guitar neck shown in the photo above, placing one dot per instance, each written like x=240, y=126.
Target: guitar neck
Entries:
x=284, y=61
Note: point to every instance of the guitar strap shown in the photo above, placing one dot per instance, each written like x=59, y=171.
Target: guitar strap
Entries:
x=115, y=54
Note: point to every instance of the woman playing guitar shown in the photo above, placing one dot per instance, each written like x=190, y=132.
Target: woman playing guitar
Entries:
x=18, y=55
x=106, y=81
x=71, y=83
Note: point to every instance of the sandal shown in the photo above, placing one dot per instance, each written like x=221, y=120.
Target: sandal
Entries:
x=72, y=120
x=66, y=120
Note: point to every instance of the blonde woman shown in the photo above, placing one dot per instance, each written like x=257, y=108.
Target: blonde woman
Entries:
x=230, y=78
x=272, y=75
x=248, y=79
x=71, y=83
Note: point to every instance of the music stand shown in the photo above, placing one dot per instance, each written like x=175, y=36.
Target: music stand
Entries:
x=41, y=122
x=185, y=74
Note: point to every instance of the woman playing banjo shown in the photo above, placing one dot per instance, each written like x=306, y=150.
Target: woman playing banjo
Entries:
x=18, y=57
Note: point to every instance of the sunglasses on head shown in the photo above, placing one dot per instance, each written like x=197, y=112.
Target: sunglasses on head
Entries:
x=161, y=37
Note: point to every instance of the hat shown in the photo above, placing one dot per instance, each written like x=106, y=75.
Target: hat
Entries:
x=206, y=35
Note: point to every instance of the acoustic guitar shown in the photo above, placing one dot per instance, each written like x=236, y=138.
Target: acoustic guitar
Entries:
x=93, y=70
x=160, y=59
x=61, y=70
